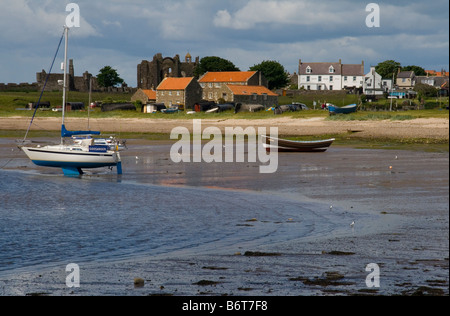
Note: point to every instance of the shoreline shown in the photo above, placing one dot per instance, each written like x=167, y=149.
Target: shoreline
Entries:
x=420, y=128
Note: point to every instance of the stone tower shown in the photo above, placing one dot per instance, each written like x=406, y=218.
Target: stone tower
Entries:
x=151, y=73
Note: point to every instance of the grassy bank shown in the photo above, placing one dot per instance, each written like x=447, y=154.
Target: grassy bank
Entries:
x=11, y=101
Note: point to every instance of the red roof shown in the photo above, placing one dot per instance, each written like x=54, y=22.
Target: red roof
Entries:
x=151, y=94
x=437, y=73
x=175, y=83
x=227, y=76
x=250, y=90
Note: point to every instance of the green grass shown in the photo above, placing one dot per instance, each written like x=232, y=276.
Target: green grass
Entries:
x=10, y=101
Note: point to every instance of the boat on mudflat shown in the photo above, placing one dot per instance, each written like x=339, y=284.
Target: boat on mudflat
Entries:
x=284, y=145
x=70, y=155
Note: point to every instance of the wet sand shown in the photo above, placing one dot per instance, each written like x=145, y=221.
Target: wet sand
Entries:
x=404, y=229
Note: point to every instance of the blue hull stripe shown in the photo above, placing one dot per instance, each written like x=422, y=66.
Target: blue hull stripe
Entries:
x=59, y=164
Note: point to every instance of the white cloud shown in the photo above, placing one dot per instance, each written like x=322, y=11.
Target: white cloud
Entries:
x=22, y=21
x=122, y=33
x=266, y=12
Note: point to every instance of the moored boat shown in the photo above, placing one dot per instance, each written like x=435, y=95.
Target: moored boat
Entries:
x=71, y=156
x=284, y=145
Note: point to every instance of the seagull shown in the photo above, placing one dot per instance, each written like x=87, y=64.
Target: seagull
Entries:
x=137, y=158
x=352, y=224
x=331, y=207
x=396, y=157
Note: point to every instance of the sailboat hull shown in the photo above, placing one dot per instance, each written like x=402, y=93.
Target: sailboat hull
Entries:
x=66, y=158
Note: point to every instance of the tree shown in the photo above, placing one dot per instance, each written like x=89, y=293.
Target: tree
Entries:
x=425, y=90
x=388, y=68
x=108, y=77
x=274, y=72
x=419, y=71
x=213, y=63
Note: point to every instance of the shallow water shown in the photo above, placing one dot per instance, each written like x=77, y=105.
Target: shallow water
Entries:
x=48, y=219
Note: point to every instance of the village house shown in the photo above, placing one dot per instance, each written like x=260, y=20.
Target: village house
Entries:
x=333, y=76
x=145, y=96
x=406, y=80
x=252, y=95
x=375, y=85
x=179, y=92
x=214, y=84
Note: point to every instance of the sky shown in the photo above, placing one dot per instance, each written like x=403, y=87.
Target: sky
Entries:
x=121, y=33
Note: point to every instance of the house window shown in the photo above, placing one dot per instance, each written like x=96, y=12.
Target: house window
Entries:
x=320, y=79
x=308, y=70
x=170, y=93
x=319, y=88
x=331, y=70
x=331, y=78
x=345, y=78
x=255, y=96
x=178, y=93
x=210, y=85
x=217, y=85
x=203, y=85
x=308, y=88
x=331, y=87
x=308, y=78
x=354, y=78
x=210, y=95
x=265, y=96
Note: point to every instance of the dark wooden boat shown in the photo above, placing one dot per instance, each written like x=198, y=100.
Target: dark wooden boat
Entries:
x=284, y=145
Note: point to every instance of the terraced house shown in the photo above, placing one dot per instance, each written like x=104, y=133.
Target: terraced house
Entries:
x=332, y=76
x=252, y=95
x=216, y=85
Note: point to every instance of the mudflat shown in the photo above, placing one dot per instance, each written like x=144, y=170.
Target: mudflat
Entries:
x=399, y=199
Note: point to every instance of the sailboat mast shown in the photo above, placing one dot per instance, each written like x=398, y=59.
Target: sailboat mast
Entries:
x=66, y=35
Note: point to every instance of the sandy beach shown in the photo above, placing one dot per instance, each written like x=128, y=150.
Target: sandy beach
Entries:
x=433, y=128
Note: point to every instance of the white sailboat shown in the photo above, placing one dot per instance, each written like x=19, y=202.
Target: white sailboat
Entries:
x=71, y=156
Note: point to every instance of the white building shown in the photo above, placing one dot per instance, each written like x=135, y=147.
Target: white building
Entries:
x=374, y=85
x=331, y=76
